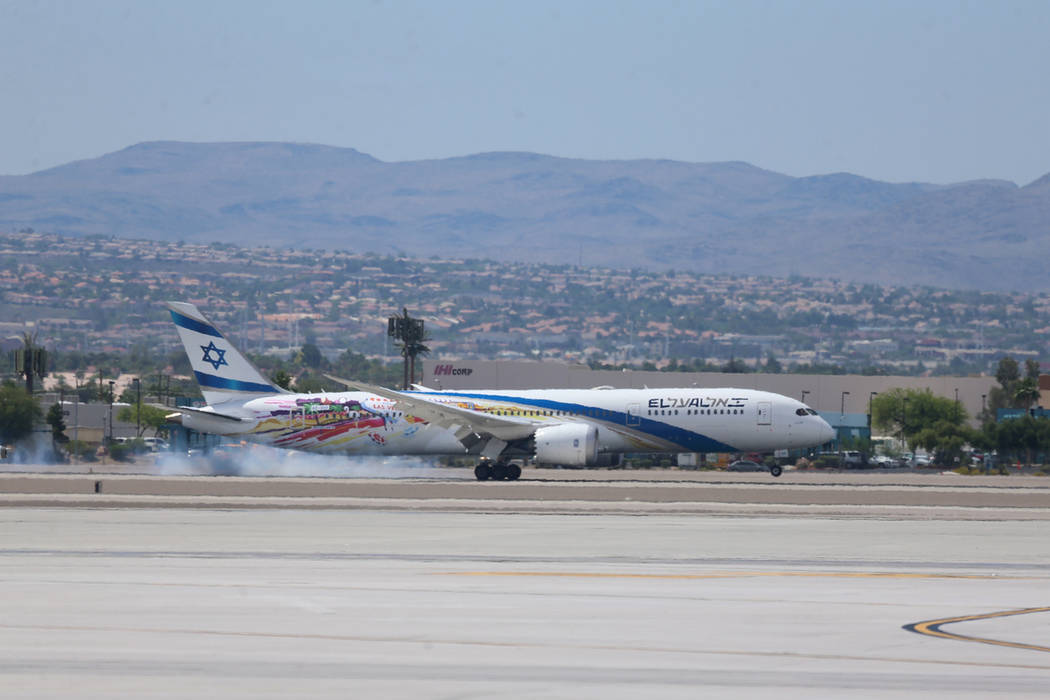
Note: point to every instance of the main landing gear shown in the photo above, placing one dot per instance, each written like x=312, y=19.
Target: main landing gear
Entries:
x=497, y=471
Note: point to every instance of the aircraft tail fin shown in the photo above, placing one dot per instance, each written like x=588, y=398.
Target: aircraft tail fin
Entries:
x=222, y=372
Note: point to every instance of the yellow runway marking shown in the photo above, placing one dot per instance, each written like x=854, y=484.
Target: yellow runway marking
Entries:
x=735, y=574
x=932, y=628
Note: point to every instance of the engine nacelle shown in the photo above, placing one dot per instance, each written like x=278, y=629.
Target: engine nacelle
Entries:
x=569, y=444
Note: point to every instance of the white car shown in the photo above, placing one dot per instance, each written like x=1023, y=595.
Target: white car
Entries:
x=852, y=458
x=156, y=444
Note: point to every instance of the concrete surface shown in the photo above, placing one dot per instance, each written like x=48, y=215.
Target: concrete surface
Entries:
x=844, y=495
x=160, y=603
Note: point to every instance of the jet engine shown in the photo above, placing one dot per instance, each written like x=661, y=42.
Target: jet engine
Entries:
x=568, y=444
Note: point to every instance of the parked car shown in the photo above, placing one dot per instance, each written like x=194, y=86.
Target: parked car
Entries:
x=852, y=459
x=156, y=444
x=746, y=465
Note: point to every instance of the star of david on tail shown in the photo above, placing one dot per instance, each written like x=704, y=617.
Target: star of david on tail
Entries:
x=222, y=372
x=208, y=350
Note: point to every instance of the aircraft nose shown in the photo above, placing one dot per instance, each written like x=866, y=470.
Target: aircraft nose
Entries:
x=826, y=432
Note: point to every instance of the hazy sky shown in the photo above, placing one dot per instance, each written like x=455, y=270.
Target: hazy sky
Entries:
x=938, y=91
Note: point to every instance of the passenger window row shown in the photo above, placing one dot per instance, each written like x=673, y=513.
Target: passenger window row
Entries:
x=697, y=412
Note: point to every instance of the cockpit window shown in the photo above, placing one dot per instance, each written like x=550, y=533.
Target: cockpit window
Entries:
x=802, y=412
x=812, y=412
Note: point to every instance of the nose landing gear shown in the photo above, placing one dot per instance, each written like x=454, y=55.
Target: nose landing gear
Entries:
x=497, y=471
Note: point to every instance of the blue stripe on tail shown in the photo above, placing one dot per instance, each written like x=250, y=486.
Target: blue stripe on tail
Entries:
x=194, y=325
x=214, y=382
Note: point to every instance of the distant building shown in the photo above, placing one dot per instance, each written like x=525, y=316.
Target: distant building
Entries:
x=831, y=394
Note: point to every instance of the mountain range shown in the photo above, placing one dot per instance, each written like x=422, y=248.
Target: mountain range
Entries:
x=728, y=217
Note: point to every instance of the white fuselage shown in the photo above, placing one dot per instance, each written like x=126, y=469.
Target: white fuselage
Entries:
x=627, y=420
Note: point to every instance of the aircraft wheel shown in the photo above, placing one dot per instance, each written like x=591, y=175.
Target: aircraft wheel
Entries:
x=483, y=472
x=513, y=472
x=499, y=471
x=775, y=470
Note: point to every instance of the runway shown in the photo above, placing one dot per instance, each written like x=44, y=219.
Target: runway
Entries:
x=854, y=495
x=426, y=602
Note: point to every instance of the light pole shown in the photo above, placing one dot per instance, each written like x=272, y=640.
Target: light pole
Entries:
x=842, y=419
x=138, y=406
x=804, y=392
x=838, y=428
x=76, y=421
x=983, y=409
x=871, y=395
x=904, y=421
x=956, y=403
x=111, y=383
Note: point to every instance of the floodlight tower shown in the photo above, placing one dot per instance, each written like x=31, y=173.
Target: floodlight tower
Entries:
x=30, y=361
x=409, y=333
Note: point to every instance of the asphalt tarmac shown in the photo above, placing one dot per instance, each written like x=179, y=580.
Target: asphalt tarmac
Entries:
x=369, y=588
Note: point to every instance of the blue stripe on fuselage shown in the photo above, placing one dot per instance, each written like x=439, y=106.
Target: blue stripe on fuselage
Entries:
x=194, y=325
x=687, y=439
x=214, y=382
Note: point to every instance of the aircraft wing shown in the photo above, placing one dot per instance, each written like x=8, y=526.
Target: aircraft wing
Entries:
x=446, y=416
x=210, y=414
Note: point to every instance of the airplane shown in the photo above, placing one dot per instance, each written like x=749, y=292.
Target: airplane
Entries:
x=568, y=427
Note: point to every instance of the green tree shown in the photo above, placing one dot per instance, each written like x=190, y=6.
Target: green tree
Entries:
x=1024, y=435
x=57, y=422
x=310, y=356
x=1026, y=392
x=1007, y=373
x=912, y=413
x=282, y=379
x=87, y=392
x=772, y=365
x=308, y=383
x=945, y=440
x=735, y=366
x=354, y=365
x=18, y=412
x=148, y=417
